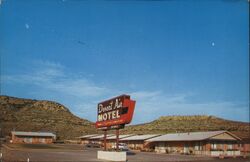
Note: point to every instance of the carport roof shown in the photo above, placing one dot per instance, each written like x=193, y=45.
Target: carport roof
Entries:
x=101, y=136
x=120, y=136
x=39, y=134
x=88, y=136
x=191, y=136
x=140, y=137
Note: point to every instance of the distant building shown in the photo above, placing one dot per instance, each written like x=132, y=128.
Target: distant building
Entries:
x=85, y=139
x=138, y=142
x=245, y=141
x=111, y=141
x=98, y=139
x=213, y=143
x=32, y=137
x=245, y=145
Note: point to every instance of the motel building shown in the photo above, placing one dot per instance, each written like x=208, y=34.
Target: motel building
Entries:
x=18, y=137
x=245, y=141
x=138, y=142
x=85, y=139
x=245, y=144
x=111, y=140
x=213, y=143
x=99, y=139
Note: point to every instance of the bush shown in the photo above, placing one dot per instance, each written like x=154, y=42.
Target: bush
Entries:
x=216, y=150
x=232, y=150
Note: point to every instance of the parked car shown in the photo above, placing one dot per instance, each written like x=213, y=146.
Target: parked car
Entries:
x=59, y=142
x=121, y=146
x=92, y=145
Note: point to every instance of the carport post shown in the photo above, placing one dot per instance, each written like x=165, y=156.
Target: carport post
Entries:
x=244, y=150
x=117, y=140
x=105, y=139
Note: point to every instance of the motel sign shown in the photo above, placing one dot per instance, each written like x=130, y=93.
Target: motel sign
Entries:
x=115, y=112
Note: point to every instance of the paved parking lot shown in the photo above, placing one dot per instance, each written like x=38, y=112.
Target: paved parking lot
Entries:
x=75, y=153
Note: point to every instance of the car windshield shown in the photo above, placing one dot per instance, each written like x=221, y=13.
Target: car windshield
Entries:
x=122, y=144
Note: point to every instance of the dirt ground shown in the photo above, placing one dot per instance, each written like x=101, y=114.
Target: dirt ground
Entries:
x=76, y=153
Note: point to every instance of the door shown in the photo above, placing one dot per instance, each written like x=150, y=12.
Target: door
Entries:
x=186, y=149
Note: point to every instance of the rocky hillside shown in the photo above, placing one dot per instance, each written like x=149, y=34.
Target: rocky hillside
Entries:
x=34, y=115
x=170, y=124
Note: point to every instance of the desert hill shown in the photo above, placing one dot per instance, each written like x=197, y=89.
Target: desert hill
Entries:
x=38, y=115
x=172, y=124
x=34, y=115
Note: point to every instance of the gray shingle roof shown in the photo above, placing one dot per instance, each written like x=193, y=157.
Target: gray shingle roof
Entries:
x=140, y=137
x=101, y=136
x=192, y=136
x=88, y=136
x=120, y=136
x=38, y=134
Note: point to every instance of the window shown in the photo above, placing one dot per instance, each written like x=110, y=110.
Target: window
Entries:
x=230, y=146
x=214, y=146
x=42, y=140
x=28, y=140
x=197, y=146
x=161, y=144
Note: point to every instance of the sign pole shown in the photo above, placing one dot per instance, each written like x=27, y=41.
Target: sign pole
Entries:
x=113, y=114
x=117, y=139
x=105, y=140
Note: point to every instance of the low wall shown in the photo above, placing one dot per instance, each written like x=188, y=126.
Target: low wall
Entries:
x=225, y=153
x=160, y=149
x=217, y=153
x=233, y=153
x=112, y=156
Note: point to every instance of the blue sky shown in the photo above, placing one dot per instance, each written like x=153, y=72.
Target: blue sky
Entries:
x=172, y=57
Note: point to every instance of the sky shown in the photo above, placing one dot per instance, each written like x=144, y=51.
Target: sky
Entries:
x=173, y=57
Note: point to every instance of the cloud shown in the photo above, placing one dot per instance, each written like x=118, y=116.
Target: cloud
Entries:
x=87, y=110
x=145, y=94
x=52, y=76
x=27, y=26
x=82, y=95
x=152, y=105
